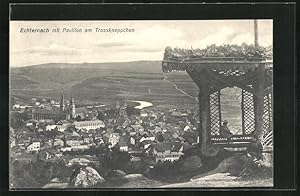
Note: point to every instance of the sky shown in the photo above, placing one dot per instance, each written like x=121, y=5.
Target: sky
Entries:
x=147, y=42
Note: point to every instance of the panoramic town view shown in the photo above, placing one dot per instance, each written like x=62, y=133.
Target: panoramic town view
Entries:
x=140, y=104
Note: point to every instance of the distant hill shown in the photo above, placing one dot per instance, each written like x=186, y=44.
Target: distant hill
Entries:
x=64, y=72
x=103, y=82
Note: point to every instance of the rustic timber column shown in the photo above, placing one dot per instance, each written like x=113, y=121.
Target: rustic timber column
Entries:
x=200, y=78
x=259, y=101
x=204, y=111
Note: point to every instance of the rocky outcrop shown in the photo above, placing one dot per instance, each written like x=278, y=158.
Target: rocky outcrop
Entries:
x=116, y=174
x=56, y=183
x=191, y=163
x=86, y=177
x=233, y=165
x=134, y=176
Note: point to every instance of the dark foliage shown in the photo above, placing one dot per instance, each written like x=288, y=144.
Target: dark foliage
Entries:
x=37, y=174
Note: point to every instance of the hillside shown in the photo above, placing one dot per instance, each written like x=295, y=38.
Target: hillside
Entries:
x=102, y=82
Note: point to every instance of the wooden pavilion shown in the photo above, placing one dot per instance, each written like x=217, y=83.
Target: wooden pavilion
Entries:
x=247, y=67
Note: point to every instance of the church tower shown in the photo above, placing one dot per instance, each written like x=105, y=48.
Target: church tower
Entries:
x=123, y=110
x=62, y=102
x=118, y=105
x=72, y=107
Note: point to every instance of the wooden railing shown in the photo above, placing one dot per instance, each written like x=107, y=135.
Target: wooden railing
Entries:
x=238, y=142
x=234, y=141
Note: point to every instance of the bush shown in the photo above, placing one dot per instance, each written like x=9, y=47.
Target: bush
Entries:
x=257, y=170
x=37, y=174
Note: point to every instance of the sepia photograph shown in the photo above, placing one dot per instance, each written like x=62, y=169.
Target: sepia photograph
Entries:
x=96, y=104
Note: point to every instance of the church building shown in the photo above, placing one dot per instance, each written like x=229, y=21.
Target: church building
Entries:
x=70, y=110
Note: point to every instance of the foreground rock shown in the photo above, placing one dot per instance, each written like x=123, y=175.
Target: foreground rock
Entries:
x=233, y=165
x=139, y=181
x=135, y=176
x=86, y=177
x=116, y=174
x=221, y=180
x=56, y=183
x=191, y=163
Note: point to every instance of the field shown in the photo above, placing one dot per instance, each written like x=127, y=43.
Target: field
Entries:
x=105, y=83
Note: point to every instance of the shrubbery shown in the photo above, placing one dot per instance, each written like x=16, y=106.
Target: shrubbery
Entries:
x=36, y=174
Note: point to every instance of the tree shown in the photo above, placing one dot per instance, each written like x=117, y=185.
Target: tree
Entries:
x=132, y=111
x=53, y=133
x=78, y=118
x=160, y=137
x=100, y=115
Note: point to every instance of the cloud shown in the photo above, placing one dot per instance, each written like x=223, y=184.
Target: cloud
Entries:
x=113, y=44
x=144, y=49
x=147, y=42
x=52, y=50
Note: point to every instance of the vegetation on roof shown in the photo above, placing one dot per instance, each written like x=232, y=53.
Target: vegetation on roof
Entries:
x=225, y=50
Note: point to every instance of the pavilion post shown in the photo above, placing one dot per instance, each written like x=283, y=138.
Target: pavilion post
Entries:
x=204, y=111
x=243, y=113
x=259, y=101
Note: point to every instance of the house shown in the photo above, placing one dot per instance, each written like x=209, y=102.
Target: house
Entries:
x=87, y=125
x=49, y=154
x=58, y=142
x=34, y=147
x=132, y=133
x=23, y=142
x=125, y=123
x=175, y=135
x=138, y=128
x=187, y=128
x=132, y=141
x=135, y=158
x=144, y=114
x=153, y=116
x=48, y=142
x=12, y=142
x=75, y=134
x=162, y=152
x=44, y=114
x=59, y=136
x=32, y=128
x=29, y=124
x=129, y=129
x=176, y=114
x=133, y=150
x=99, y=141
x=87, y=139
x=82, y=146
x=50, y=127
x=156, y=129
x=124, y=142
x=63, y=127
x=98, y=136
x=73, y=141
x=147, y=137
x=113, y=139
x=145, y=144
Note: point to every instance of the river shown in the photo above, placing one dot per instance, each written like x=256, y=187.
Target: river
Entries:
x=143, y=104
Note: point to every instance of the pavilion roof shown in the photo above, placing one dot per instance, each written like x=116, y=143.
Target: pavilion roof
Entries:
x=221, y=58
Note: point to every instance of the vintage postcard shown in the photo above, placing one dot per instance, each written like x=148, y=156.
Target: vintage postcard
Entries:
x=141, y=104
